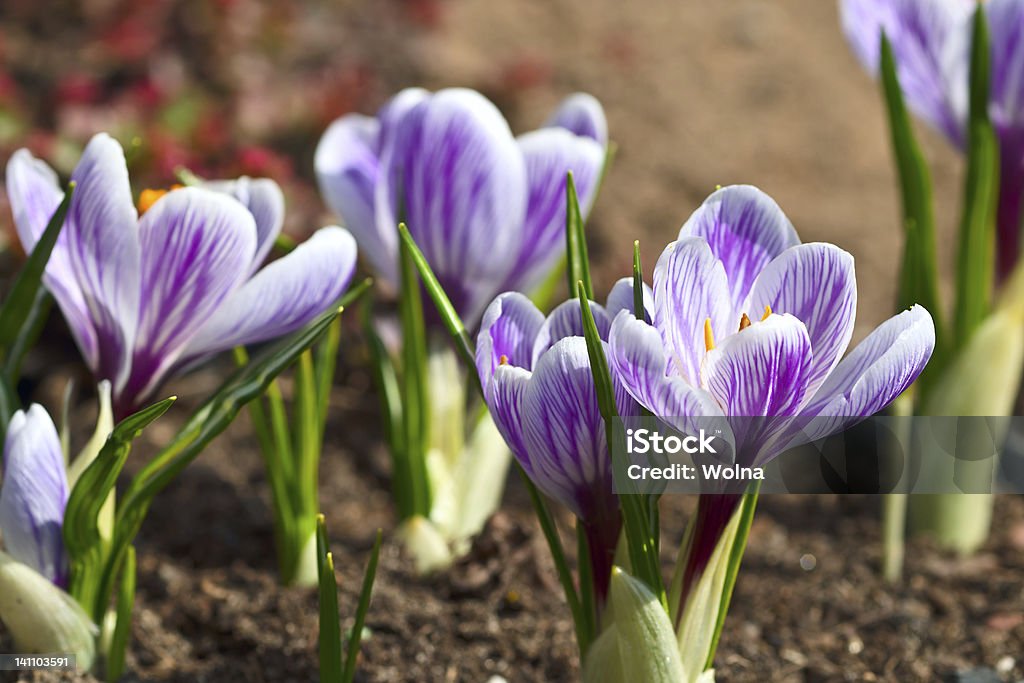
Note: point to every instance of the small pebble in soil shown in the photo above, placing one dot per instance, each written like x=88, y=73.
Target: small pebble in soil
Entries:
x=808, y=562
x=1006, y=664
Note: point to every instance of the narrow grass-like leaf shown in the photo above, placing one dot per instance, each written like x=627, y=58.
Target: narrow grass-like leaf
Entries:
x=739, y=545
x=386, y=380
x=642, y=549
x=976, y=253
x=578, y=263
x=355, y=293
x=919, y=272
x=365, y=593
x=449, y=316
x=326, y=365
x=330, y=621
x=123, y=625
x=18, y=306
x=638, y=283
x=588, y=605
x=31, y=330
x=412, y=463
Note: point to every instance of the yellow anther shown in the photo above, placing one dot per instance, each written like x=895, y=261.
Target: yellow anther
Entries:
x=503, y=360
x=744, y=322
x=767, y=312
x=709, y=336
x=147, y=198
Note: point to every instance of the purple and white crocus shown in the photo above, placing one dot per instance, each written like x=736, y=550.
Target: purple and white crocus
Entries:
x=540, y=390
x=34, y=494
x=931, y=42
x=486, y=208
x=775, y=378
x=146, y=295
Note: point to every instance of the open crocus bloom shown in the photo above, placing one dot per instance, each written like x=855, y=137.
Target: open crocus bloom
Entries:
x=750, y=323
x=487, y=209
x=34, y=494
x=146, y=295
x=540, y=390
x=931, y=42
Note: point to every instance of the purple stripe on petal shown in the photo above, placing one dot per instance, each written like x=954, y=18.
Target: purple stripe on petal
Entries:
x=103, y=251
x=504, y=395
x=550, y=153
x=816, y=284
x=690, y=287
x=456, y=176
x=34, y=194
x=509, y=328
x=347, y=172
x=566, y=321
x=583, y=115
x=745, y=229
x=282, y=297
x=197, y=246
x=34, y=494
x=265, y=201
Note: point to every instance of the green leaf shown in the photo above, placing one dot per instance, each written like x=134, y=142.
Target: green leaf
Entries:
x=31, y=330
x=976, y=253
x=642, y=547
x=19, y=304
x=919, y=272
x=638, y=283
x=356, y=632
x=330, y=621
x=82, y=537
x=449, y=316
x=123, y=625
x=307, y=431
x=411, y=464
x=578, y=266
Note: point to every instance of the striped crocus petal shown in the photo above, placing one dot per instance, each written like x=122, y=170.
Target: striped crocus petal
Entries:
x=817, y=285
x=34, y=494
x=265, y=201
x=197, y=246
x=34, y=194
x=918, y=31
x=347, y=166
x=507, y=333
x=745, y=229
x=620, y=298
x=567, y=321
x=583, y=115
x=103, y=250
x=282, y=297
x=454, y=174
x=690, y=288
x=550, y=153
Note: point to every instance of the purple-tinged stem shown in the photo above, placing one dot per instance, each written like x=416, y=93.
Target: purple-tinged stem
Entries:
x=714, y=511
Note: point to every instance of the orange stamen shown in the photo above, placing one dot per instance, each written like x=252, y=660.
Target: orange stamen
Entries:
x=503, y=360
x=709, y=335
x=147, y=198
x=767, y=312
x=744, y=322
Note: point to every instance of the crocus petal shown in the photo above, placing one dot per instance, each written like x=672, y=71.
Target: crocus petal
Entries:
x=566, y=321
x=284, y=296
x=620, y=298
x=878, y=370
x=550, y=153
x=690, y=287
x=508, y=329
x=34, y=194
x=583, y=115
x=917, y=31
x=637, y=357
x=347, y=171
x=265, y=201
x=454, y=174
x=504, y=393
x=197, y=247
x=816, y=284
x=745, y=229
x=563, y=432
x=34, y=494
x=103, y=250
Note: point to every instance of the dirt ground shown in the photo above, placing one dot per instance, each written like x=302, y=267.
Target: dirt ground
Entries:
x=697, y=94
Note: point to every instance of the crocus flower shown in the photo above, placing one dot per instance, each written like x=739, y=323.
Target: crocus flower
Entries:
x=146, y=295
x=931, y=42
x=34, y=494
x=540, y=390
x=487, y=209
x=750, y=323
